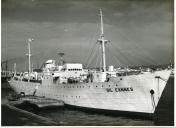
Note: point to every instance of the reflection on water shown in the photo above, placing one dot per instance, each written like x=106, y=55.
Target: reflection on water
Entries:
x=79, y=118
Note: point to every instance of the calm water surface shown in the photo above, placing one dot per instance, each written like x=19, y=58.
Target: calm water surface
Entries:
x=79, y=118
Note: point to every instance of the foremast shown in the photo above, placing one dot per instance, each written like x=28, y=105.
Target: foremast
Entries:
x=102, y=41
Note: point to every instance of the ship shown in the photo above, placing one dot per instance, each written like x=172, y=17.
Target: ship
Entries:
x=91, y=89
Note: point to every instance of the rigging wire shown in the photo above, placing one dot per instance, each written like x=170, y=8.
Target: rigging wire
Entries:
x=98, y=58
x=136, y=46
x=92, y=40
x=91, y=53
x=112, y=57
x=105, y=19
x=92, y=57
x=127, y=59
x=97, y=61
x=119, y=51
x=145, y=53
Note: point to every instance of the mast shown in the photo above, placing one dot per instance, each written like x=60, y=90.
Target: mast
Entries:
x=102, y=41
x=29, y=53
x=15, y=68
x=61, y=54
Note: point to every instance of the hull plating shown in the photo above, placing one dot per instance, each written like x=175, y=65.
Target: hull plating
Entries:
x=127, y=93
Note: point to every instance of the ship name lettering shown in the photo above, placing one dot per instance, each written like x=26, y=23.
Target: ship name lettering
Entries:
x=109, y=90
x=123, y=89
x=127, y=89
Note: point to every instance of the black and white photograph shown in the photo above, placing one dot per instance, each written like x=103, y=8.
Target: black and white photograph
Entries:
x=87, y=63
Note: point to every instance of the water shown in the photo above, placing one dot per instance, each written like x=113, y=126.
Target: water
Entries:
x=79, y=118
x=69, y=117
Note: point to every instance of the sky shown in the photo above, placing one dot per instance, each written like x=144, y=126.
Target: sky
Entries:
x=140, y=31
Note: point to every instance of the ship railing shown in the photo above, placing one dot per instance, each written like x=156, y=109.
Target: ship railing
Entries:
x=6, y=73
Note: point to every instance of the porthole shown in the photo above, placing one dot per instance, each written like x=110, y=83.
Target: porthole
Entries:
x=96, y=86
x=109, y=85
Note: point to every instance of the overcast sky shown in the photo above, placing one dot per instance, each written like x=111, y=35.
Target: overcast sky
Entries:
x=140, y=31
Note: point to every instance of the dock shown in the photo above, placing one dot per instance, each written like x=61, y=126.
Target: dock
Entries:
x=40, y=102
x=23, y=111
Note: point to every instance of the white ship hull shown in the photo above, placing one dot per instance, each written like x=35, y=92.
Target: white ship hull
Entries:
x=126, y=93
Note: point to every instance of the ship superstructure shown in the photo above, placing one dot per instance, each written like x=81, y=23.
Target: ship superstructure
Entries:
x=103, y=89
